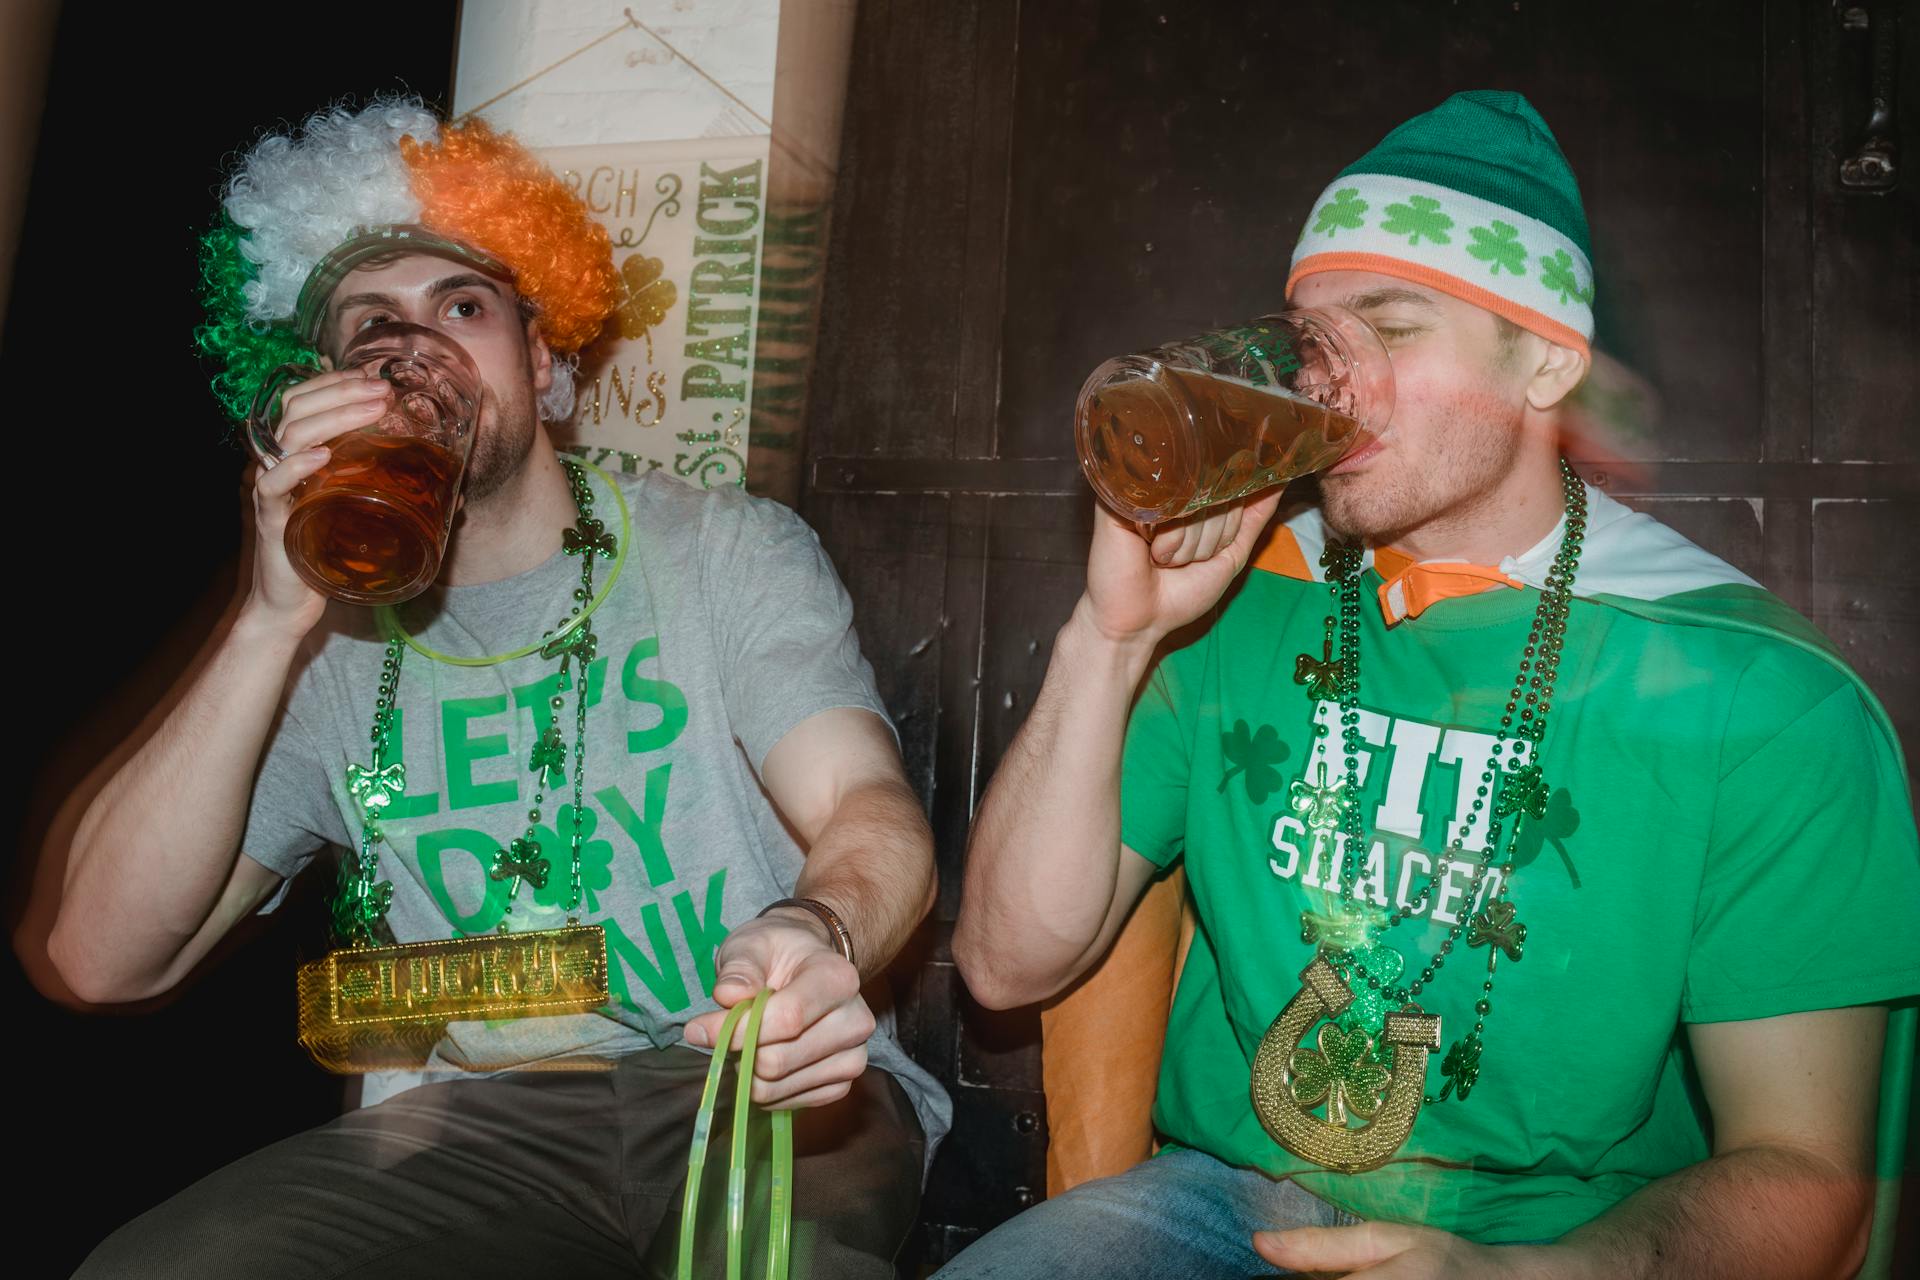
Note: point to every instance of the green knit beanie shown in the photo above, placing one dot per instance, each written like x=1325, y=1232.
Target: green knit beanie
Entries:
x=1474, y=199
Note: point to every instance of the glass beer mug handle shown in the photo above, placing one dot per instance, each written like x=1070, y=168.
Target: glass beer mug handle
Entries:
x=263, y=420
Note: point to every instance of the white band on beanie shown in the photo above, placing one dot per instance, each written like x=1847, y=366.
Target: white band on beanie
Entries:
x=1515, y=266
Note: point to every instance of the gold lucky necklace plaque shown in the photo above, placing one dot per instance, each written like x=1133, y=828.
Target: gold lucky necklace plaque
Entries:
x=372, y=1007
x=1369, y=1061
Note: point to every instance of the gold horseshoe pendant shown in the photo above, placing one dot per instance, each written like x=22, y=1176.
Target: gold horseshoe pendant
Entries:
x=1412, y=1031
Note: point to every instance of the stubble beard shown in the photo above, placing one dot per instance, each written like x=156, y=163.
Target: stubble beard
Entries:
x=503, y=441
x=1475, y=440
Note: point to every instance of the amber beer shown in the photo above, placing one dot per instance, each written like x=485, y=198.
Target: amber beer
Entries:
x=1243, y=439
x=369, y=526
x=1170, y=431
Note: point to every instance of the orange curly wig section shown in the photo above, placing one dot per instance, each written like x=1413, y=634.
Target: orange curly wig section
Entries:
x=486, y=189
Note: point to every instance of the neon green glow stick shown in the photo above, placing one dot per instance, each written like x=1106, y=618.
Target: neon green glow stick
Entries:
x=780, y=1206
x=389, y=620
x=702, y=1126
x=737, y=1167
x=780, y=1203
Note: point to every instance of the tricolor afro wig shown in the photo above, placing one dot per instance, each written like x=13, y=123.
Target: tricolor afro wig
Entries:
x=303, y=208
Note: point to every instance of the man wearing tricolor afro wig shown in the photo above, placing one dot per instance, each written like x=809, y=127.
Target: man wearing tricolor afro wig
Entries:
x=682, y=760
x=357, y=187
x=1552, y=877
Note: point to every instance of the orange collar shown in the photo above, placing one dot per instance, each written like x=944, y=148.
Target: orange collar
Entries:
x=1408, y=588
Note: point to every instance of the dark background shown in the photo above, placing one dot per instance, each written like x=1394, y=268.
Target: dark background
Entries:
x=124, y=531
x=1026, y=189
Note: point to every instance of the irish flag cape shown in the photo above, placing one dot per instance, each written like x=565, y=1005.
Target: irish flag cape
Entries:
x=1630, y=562
x=1633, y=563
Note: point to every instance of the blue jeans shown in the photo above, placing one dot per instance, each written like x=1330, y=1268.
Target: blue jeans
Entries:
x=1179, y=1214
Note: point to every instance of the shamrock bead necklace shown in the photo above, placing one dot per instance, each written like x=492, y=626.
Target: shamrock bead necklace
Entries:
x=1334, y=809
x=361, y=899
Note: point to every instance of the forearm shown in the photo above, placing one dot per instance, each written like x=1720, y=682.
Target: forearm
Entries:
x=1754, y=1213
x=156, y=847
x=872, y=863
x=1042, y=864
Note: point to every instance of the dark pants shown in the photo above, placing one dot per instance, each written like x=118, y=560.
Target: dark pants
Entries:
x=539, y=1173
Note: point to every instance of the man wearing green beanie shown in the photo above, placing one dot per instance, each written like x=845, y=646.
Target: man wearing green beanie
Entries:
x=1551, y=876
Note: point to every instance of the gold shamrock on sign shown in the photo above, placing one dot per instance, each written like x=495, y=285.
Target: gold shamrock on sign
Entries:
x=649, y=297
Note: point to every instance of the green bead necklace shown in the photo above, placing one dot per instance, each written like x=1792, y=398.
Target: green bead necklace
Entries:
x=361, y=899
x=1523, y=796
x=1353, y=981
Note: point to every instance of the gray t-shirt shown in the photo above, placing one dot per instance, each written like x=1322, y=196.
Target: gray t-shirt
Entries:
x=726, y=628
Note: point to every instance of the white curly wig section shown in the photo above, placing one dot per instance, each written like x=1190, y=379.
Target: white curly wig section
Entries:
x=299, y=196
x=556, y=402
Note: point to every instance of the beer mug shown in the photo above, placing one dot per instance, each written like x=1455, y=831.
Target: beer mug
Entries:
x=1182, y=427
x=371, y=525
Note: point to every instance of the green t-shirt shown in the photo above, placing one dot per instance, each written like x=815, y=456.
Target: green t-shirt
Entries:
x=1729, y=836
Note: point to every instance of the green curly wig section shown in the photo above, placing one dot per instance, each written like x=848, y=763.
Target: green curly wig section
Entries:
x=246, y=351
